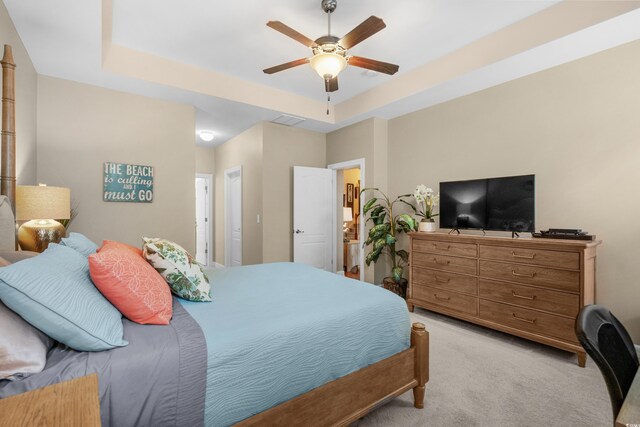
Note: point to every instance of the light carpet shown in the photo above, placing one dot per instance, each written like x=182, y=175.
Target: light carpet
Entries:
x=480, y=377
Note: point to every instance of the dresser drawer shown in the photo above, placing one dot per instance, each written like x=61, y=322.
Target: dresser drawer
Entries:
x=555, y=279
x=526, y=296
x=444, y=280
x=448, y=263
x=452, y=300
x=445, y=248
x=570, y=260
x=528, y=320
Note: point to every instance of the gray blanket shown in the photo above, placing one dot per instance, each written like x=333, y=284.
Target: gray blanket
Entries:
x=159, y=379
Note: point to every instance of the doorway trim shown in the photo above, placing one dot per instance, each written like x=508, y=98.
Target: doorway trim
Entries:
x=228, y=173
x=209, y=235
x=349, y=164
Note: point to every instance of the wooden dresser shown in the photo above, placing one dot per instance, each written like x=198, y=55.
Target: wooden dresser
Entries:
x=532, y=288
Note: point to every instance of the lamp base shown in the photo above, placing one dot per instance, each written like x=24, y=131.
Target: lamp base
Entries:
x=35, y=235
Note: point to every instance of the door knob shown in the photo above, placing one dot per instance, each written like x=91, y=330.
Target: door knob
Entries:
x=298, y=231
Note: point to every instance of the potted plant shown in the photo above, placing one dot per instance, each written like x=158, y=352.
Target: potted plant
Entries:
x=382, y=238
x=426, y=203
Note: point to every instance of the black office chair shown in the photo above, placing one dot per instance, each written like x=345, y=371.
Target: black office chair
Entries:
x=609, y=345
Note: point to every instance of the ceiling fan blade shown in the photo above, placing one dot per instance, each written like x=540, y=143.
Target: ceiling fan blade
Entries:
x=331, y=85
x=366, y=29
x=286, y=66
x=372, y=64
x=288, y=31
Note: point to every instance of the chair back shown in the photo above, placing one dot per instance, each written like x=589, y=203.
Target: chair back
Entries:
x=609, y=345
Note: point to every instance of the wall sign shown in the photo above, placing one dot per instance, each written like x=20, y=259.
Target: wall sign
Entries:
x=127, y=183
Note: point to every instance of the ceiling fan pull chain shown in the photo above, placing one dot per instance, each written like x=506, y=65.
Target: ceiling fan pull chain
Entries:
x=328, y=100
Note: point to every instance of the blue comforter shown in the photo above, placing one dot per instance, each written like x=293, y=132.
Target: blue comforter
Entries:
x=276, y=331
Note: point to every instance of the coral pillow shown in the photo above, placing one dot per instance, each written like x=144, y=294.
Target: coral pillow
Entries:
x=110, y=244
x=132, y=286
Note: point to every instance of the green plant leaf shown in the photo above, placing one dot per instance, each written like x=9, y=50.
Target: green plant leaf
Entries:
x=379, y=231
x=415, y=210
x=390, y=239
x=397, y=273
x=380, y=218
x=379, y=244
x=368, y=205
x=373, y=256
x=404, y=255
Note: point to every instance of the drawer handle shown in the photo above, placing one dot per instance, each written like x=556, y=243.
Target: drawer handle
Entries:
x=441, y=280
x=445, y=262
x=523, y=296
x=442, y=298
x=531, y=256
x=530, y=276
x=523, y=319
x=442, y=248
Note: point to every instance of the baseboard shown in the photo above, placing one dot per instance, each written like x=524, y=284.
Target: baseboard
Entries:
x=217, y=265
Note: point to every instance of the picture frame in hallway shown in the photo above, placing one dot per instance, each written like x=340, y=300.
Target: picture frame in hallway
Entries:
x=350, y=188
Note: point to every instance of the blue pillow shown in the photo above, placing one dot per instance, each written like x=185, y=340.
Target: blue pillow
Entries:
x=53, y=291
x=80, y=243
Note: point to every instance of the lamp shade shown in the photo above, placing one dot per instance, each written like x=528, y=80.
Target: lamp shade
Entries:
x=328, y=64
x=42, y=202
x=347, y=215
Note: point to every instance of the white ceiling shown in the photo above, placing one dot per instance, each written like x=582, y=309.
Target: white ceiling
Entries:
x=65, y=39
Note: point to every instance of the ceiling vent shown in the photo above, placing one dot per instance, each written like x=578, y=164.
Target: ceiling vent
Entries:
x=288, y=120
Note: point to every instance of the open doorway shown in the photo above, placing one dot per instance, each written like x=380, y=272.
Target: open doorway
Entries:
x=203, y=218
x=348, y=253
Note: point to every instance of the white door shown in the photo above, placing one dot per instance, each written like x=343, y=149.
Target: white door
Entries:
x=233, y=220
x=202, y=220
x=313, y=208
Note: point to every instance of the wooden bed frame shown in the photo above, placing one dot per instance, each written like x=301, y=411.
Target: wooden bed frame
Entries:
x=345, y=400
x=338, y=403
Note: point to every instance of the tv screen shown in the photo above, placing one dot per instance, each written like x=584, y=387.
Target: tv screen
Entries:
x=463, y=204
x=511, y=203
x=499, y=204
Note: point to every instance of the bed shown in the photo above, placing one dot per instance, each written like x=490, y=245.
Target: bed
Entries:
x=281, y=344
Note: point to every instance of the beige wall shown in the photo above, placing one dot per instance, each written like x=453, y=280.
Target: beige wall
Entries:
x=26, y=98
x=244, y=150
x=576, y=127
x=82, y=126
x=206, y=164
x=284, y=147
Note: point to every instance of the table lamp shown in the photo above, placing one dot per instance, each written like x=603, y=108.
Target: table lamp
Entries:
x=38, y=205
x=347, y=216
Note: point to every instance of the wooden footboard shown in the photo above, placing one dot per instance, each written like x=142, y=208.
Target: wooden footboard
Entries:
x=346, y=399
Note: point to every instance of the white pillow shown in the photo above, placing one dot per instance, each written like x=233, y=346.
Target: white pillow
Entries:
x=23, y=348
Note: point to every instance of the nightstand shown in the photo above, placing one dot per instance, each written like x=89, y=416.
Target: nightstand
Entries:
x=70, y=403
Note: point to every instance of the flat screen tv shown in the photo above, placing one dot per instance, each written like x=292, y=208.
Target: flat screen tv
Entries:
x=499, y=204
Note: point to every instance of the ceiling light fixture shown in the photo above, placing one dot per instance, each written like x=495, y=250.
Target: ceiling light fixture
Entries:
x=330, y=52
x=206, y=135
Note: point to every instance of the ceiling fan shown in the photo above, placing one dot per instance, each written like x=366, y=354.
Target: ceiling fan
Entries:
x=330, y=52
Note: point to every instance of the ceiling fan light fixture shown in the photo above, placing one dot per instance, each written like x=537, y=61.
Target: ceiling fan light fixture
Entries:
x=328, y=65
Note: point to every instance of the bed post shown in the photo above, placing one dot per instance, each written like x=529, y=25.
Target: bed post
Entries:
x=8, y=149
x=420, y=342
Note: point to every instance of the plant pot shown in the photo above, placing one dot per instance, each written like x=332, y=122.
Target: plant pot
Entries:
x=398, y=288
x=427, y=226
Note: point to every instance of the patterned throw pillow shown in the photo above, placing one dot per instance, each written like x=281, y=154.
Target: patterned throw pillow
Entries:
x=132, y=286
x=183, y=274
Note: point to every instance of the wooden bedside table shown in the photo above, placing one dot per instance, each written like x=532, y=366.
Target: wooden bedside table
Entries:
x=70, y=403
